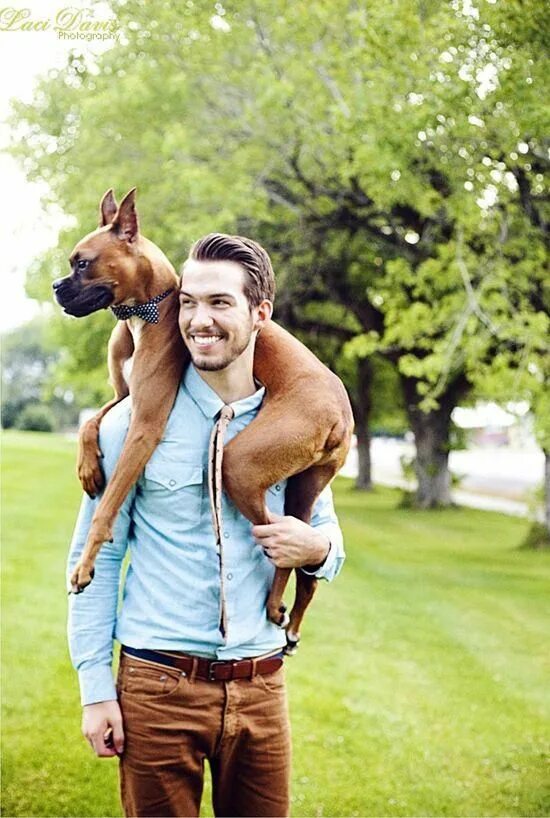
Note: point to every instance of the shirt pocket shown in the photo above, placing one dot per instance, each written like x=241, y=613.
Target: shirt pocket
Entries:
x=172, y=476
x=172, y=494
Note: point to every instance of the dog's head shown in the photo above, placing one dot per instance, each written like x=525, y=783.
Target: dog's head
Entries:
x=104, y=263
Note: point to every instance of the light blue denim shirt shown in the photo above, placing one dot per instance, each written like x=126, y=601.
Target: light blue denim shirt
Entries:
x=171, y=592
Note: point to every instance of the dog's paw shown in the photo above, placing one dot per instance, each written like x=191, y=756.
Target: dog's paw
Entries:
x=278, y=616
x=292, y=643
x=91, y=478
x=81, y=578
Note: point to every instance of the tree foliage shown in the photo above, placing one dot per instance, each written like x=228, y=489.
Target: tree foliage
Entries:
x=29, y=357
x=392, y=161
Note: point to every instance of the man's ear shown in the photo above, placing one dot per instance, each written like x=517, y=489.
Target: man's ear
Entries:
x=263, y=314
x=107, y=208
x=126, y=221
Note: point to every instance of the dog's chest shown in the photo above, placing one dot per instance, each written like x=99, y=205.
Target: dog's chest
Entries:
x=136, y=325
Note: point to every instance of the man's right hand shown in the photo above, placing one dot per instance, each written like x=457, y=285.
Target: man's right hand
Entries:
x=102, y=727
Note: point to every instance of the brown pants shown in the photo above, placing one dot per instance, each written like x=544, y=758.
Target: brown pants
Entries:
x=173, y=723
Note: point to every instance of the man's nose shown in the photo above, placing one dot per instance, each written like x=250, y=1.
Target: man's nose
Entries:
x=201, y=317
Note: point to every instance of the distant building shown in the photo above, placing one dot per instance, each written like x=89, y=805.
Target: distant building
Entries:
x=489, y=424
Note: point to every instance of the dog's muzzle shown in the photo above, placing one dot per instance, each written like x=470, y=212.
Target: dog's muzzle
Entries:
x=81, y=301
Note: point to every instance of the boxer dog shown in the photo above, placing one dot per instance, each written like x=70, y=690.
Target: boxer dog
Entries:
x=116, y=266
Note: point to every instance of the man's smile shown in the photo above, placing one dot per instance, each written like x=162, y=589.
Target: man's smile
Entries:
x=206, y=341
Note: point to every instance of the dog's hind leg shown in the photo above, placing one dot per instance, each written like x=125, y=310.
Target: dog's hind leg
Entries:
x=302, y=491
x=251, y=503
x=306, y=585
x=90, y=474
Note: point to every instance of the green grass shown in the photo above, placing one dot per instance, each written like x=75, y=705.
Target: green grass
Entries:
x=420, y=687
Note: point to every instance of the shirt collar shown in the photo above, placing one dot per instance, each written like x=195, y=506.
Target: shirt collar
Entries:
x=210, y=403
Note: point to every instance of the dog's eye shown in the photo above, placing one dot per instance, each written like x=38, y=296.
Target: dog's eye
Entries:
x=81, y=264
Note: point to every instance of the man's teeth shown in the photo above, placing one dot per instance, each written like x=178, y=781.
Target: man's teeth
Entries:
x=206, y=340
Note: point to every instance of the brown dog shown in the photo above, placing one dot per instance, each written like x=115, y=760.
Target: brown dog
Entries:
x=117, y=266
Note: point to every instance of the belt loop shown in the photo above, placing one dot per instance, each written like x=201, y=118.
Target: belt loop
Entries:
x=253, y=664
x=194, y=668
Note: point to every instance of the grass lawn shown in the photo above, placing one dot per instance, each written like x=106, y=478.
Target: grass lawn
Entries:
x=421, y=687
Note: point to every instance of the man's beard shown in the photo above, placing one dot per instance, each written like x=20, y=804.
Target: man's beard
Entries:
x=216, y=365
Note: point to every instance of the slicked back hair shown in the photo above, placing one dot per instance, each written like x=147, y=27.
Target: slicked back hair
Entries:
x=259, y=280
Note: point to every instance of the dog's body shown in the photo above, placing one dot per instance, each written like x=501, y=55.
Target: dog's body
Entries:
x=303, y=429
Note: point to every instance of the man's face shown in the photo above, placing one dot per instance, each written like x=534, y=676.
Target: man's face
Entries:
x=215, y=319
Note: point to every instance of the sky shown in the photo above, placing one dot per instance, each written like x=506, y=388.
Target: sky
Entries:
x=27, y=229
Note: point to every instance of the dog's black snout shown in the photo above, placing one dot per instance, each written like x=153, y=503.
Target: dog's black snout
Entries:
x=57, y=283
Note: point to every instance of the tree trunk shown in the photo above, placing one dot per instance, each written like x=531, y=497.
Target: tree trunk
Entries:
x=364, y=479
x=431, y=433
x=362, y=407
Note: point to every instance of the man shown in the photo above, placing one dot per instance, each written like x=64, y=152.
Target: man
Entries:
x=168, y=712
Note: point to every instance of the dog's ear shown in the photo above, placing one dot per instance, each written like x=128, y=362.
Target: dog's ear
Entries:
x=107, y=208
x=125, y=221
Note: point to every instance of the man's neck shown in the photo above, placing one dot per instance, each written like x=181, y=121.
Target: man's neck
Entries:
x=236, y=381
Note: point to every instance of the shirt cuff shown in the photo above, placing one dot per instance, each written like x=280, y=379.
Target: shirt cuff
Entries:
x=326, y=569
x=321, y=566
x=335, y=557
x=96, y=685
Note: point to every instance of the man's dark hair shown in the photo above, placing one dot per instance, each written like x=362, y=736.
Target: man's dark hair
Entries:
x=259, y=280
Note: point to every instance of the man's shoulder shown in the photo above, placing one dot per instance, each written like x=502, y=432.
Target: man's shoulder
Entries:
x=115, y=424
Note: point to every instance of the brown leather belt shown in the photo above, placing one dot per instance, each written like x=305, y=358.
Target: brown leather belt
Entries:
x=211, y=670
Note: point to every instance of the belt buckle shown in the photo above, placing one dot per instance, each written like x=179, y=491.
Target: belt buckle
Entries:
x=212, y=669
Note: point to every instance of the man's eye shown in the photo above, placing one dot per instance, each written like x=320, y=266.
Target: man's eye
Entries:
x=81, y=264
x=218, y=302
x=184, y=302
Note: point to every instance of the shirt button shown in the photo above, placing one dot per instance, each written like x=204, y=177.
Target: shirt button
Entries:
x=277, y=487
x=172, y=483
x=230, y=576
x=226, y=534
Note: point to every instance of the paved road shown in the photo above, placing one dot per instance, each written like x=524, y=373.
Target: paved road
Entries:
x=496, y=479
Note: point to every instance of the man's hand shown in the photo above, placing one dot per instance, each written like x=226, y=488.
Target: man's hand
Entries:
x=102, y=726
x=291, y=543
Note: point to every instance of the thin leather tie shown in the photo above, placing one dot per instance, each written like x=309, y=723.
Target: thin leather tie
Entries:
x=215, y=458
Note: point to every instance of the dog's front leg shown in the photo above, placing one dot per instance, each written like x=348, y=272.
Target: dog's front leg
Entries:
x=100, y=532
x=141, y=441
x=151, y=406
x=90, y=474
x=88, y=466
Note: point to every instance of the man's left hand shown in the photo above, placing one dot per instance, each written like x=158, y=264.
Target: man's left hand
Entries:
x=291, y=543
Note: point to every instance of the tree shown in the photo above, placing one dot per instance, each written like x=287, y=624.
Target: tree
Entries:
x=28, y=360
x=36, y=418
x=330, y=129
x=508, y=170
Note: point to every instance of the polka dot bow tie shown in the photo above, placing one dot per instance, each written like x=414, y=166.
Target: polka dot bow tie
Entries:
x=148, y=311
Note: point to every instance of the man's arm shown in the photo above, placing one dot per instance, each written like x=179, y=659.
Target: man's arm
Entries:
x=318, y=548
x=92, y=614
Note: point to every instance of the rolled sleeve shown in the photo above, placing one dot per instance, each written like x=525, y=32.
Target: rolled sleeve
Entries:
x=325, y=521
